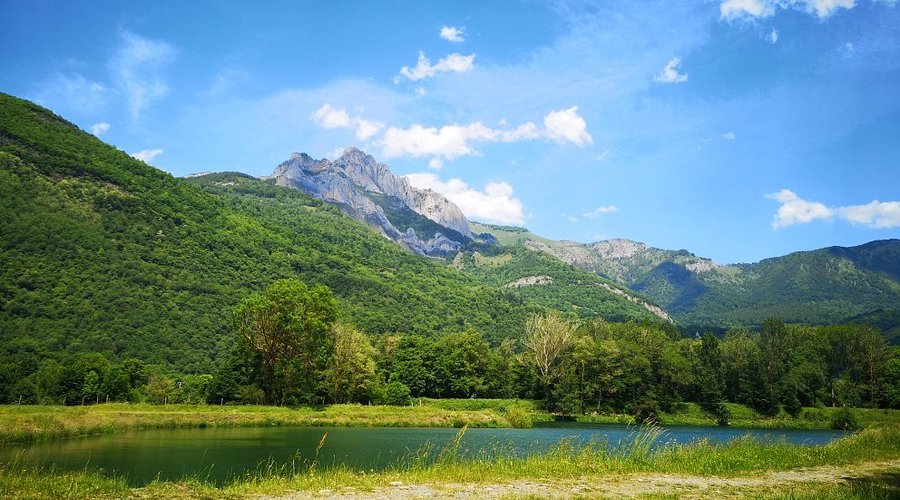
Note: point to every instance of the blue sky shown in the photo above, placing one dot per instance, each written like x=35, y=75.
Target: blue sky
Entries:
x=737, y=129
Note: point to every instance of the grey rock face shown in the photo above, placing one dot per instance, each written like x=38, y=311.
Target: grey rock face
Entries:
x=348, y=181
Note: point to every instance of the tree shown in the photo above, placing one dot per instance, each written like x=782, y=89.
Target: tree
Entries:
x=412, y=363
x=351, y=374
x=287, y=331
x=91, y=388
x=548, y=337
x=461, y=364
x=711, y=379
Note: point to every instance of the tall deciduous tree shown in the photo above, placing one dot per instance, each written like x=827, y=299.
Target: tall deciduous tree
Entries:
x=351, y=374
x=287, y=329
x=547, y=339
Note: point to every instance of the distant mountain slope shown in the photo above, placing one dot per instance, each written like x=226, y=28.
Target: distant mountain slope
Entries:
x=553, y=284
x=101, y=252
x=429, y=224
x=420, y=219
x=829, y=285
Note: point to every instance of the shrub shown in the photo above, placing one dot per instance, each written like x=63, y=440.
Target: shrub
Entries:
x=518, y=417
x=844, y=420
x=394, y=393
x=646, y=413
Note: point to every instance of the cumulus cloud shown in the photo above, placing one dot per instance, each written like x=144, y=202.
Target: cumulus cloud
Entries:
x=454, y=63
x=795, y=210
x=99, y=128
x=756, y=9
x=729, y=136
x=597, y=212
x=772, y=37
x=496, y=204
x=731, y=9
x=566, y=126
x=453, y=141
x=875, y=214
x=824, y=8
x=329, y=117
x=670, y=74
x=148, y=155
x=136, y=70
x=453, y=34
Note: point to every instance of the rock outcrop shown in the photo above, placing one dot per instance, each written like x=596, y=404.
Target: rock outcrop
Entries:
x=356, y=181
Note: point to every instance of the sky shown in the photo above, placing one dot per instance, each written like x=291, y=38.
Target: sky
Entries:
x=735, y=129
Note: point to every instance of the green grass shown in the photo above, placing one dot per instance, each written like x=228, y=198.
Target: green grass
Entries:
x=35, y=423
x=741, y=457
x=743, y=416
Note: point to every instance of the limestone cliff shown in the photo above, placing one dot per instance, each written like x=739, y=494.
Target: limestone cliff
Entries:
x=370, y=192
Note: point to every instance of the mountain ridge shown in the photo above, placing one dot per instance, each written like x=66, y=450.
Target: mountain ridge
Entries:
x=823, y=286
x=359, y=184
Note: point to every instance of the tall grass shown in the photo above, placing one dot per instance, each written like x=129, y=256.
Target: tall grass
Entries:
x=566, y=460
x=34, y=423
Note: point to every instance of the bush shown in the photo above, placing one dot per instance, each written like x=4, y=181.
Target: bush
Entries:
x=844, y=420
x=646, y=413
x=518, y=417
x=394, y=394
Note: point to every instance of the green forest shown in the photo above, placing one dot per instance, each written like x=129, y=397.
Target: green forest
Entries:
x=120, y=282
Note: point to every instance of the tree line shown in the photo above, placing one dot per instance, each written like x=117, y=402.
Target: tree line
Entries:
x=291, y=350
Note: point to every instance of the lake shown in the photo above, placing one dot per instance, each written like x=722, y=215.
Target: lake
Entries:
x=217, y=454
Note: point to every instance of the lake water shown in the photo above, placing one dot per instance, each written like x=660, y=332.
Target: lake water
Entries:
x=217, y=454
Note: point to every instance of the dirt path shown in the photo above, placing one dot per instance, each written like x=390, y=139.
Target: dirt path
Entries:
x=623, y=486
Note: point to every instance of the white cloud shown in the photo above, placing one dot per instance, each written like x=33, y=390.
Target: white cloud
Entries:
x=597, y=212
x=453, y=141
x=366, y=128
x=449, y=141
x=772, y=37
x=327, y=116
x=136, y=67
x=456, y=63
x=565, y=125
x=148, y=155
x=731, y=9
x=670, y=74
x=729, y=136
x=436, y=163
x=824, y=8
x=794, y=210
x=755, y=9
x=99, y=128
x=875, y=214
x=453, y=34
x=496, y=203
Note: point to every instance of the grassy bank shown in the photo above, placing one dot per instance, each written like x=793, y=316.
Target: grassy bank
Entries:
x=591, y=465
x=743, y=416
x=35, y=423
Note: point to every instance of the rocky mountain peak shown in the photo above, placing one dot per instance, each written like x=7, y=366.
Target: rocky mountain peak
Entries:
x=619, y=249
x=358, y=182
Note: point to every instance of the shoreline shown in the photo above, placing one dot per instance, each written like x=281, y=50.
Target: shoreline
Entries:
x=25, y=424
x=739, y=467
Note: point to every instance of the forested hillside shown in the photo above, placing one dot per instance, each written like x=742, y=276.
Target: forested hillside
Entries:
x=826, y=286
x=540, y=278
x=103, y=253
